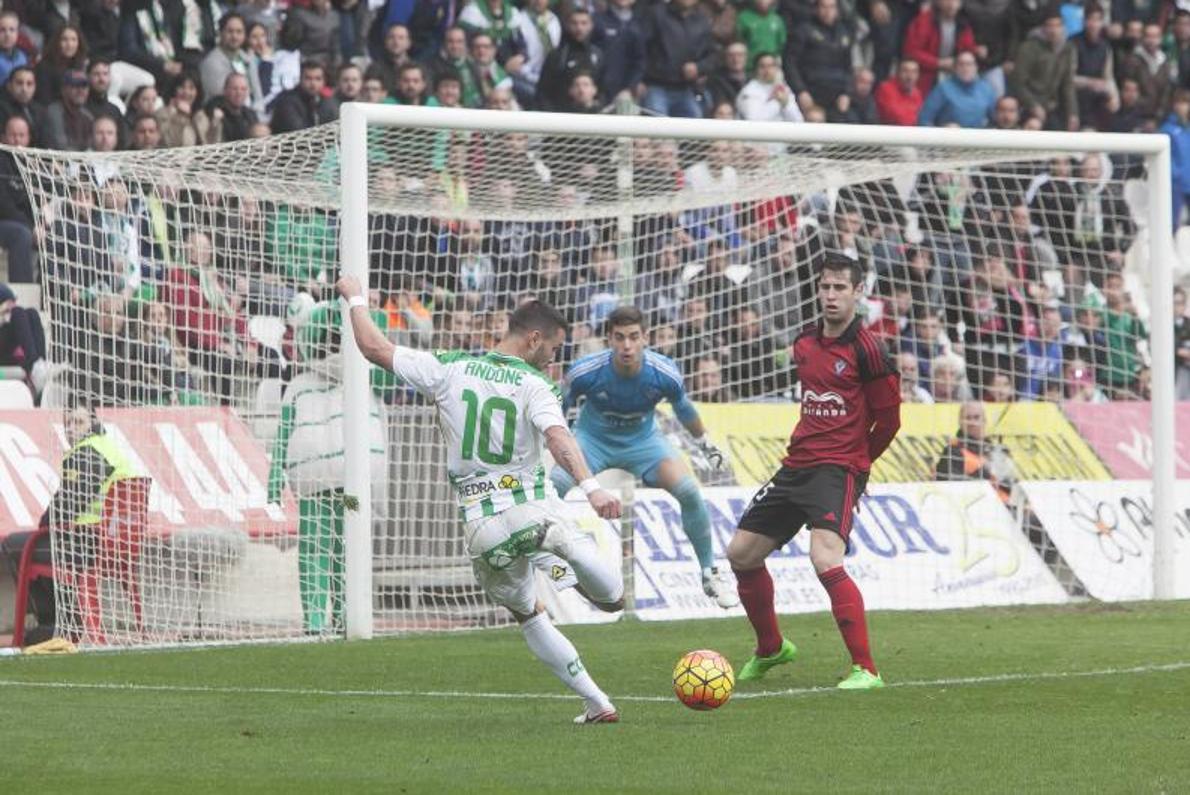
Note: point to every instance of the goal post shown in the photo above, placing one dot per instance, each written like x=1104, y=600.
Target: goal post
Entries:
x=356, y=118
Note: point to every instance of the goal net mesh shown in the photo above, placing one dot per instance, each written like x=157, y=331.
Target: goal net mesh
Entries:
x=189, y=300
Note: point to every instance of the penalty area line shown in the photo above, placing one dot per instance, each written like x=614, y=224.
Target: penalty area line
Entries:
x=964, y=681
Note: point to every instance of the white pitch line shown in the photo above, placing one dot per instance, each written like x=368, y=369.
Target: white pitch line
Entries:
x=458, y=694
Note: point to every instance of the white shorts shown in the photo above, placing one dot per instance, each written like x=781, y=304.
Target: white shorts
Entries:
x=504, y=556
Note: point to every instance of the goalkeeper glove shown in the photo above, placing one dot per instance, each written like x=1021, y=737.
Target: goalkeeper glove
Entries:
x=710, y=452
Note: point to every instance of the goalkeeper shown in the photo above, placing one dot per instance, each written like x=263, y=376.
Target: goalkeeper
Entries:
x=622, y=387
x=308, y=452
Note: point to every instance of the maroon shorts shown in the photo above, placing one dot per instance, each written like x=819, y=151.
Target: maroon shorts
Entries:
x=823, y=497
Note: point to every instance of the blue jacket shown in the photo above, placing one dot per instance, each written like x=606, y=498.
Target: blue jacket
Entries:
x=951, y=101
x=1179, y=152
x=10, y=61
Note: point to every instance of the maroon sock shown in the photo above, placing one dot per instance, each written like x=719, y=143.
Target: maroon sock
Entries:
x=756, y=592
x=847, y=605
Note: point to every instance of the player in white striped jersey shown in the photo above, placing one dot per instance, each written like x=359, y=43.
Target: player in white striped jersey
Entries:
x=495, y=411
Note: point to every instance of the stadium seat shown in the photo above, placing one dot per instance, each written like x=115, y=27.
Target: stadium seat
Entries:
x=123, y=522
x=15, y=394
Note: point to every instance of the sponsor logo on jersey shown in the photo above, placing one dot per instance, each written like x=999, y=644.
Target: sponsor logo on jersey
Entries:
x=481, y=488
x=823, y=404
x=557, y=572
x=840, y=366
x=509, y=482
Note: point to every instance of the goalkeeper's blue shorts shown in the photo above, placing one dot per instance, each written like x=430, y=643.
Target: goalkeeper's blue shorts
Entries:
x=639, y=453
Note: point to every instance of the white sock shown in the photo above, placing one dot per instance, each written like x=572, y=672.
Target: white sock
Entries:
x=552, y=648
x=603, y=583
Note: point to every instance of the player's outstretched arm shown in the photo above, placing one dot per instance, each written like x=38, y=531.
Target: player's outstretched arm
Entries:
x=566, y=453
x=368, y=337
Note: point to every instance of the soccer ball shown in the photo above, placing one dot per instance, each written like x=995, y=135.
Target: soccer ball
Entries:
x=703, y=679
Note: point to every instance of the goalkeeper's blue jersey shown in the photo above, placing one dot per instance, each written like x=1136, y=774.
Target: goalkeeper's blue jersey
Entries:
x=622, y=408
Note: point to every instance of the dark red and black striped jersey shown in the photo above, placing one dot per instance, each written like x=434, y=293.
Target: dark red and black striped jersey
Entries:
x=844, y=380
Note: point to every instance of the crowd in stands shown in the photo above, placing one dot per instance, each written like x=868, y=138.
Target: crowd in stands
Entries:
x=997, y=283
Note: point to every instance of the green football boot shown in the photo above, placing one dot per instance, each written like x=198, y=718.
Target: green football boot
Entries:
x=861, y=678
x=758, y=666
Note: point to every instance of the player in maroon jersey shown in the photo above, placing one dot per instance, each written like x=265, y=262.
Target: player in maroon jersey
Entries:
x=851, y=410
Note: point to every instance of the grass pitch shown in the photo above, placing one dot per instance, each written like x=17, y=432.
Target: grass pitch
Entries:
x=1083, y=699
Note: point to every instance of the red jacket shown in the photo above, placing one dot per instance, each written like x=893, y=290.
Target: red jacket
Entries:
x=894, y=106
x=199, y=326
x=922, y=40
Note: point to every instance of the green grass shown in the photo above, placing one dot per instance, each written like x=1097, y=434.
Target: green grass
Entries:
x=1127, y=732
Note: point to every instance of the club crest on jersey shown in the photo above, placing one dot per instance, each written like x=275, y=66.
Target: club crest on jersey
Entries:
x=840, y=366
x=824, y=404
x=557, y=572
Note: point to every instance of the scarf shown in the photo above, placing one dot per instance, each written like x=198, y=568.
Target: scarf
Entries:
x=499, y=28
x=542, y=25
x=1088, y=215
x=151, y=21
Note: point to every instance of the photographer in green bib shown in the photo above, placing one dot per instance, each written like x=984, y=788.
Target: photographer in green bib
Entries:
x=92, y=465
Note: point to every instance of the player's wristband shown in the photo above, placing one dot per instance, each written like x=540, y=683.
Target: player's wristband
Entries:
x=357, y=300
x=589, y=486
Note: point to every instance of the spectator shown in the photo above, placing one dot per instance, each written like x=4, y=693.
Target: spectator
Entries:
x=1180, y=49
x=1153, y=71
x=935, y=36
x=970, y=455
x=679, y=55
x=16, y=210
x=857, y=106
x=726, y=83
x=228, y=58
x=963, y=98
x=999, y=313
x=576, y=53
x=779, y=292
x=706, y=382
x=206, y=316
x=1101, y=228
x=818, y=57
x=143, y=102
x=1177, y=127
x=995, y=30
x=1043, y=354
x=600, y=293
x=489, y=74
x=766, y=97
x=105, y=134
x=11, y=56
x=540, y=32
x=752, y=356
x=697, y=334
x=1094, y=75
x=275, y=72
x=583, y=94
x=1081, y=385
x=349, y=85
x=475, y=272
x=898, y=99
x=1122, y=331
x=231, y=108
x=453, y=60
x=65, y=52
x=303, y=106
x=660, y=288
x=18, y=100
x=618, y=34
x=1044, y=76
x=104, y=361
x=1181, y=341
x=924, y=279
x=923, y=342
x=948, y=379
x=761, y=29
x=394, y=56
x=146, y=133
x=169, y=377
x=998, y=388
x=314, y=32
x=499, y=19
x=149, y=37
x=911, y=388
x=99, y=79
x=67, y=121
x=448, y=91
x=183, y=121
x=22, y=340
x=411, y=86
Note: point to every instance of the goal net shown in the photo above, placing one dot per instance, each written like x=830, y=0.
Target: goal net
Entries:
x=189, y=303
